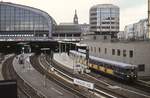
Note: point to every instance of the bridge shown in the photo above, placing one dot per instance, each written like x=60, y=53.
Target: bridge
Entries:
x=15, y=44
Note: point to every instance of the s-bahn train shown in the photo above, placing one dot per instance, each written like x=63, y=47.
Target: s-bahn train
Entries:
x=120, y=70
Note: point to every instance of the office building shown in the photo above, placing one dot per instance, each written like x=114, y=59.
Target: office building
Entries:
x=104, y=19
x=137, y=31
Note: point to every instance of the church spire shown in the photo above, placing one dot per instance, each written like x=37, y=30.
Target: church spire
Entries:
x=75, y=19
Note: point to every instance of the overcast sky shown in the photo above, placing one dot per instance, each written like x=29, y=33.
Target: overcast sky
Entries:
x=63, y=10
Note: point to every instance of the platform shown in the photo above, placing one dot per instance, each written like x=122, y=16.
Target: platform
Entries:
x=6, y=57
x=42, y=85
x=64, y=59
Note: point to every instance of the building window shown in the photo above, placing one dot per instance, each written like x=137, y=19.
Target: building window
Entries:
x=113, y=51
x=91, y=49
x=118, y=52
x=99, y=50
x=105, y=50
x=131, y=53
x=124, y=53
x=141, y=67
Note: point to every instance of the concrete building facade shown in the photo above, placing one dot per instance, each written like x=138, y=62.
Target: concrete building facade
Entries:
x=130, y=52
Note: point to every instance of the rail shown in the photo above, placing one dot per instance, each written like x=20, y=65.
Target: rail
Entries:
x=95, y=89
x=60, y=82
x=26, y=83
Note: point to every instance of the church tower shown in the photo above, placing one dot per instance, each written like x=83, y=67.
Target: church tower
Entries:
x=75, y=19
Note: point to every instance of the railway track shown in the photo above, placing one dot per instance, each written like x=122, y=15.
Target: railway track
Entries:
x=24, y=90
x=130, y=88
x=136, y=84
x=98, y=89
x=79, y=92
x=123, y=92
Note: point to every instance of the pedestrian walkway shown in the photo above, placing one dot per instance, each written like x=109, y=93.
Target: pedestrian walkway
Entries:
x=64, y=59
x=43, y=86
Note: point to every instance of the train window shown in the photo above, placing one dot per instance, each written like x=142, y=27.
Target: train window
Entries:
x=113, y=67
x=131, y=53
x=113, y=51
x=118, y=52
x=107, y=65
x=141, y=67
x=124, y=53
x=103, y=64
x=117, y=69
x=100, y=64
x=127, y=71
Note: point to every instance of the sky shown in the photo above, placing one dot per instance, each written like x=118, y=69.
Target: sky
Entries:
x=131, y=11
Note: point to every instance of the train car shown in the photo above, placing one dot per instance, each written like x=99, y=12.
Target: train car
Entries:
x=120, y=70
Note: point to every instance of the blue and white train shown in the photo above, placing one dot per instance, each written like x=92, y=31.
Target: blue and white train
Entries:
x=120, y=70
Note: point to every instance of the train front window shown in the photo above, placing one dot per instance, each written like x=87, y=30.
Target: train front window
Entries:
x=129, y=71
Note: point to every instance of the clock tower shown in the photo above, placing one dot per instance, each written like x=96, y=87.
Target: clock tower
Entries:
x=75, y=19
